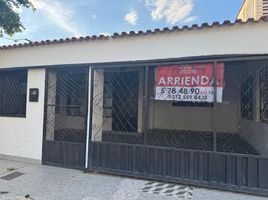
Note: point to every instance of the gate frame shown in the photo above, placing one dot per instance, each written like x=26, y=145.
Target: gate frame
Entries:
x=146, y=65
x=212, y=183
x=45, y=116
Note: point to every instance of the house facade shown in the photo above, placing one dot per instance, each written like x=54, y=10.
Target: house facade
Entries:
x=253, y=9
x=184, y=105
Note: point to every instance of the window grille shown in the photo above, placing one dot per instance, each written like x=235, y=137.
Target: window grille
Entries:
x=264, y=95
x=247, y=99
x=13, y=93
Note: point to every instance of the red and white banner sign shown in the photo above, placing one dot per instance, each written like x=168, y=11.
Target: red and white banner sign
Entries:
x=192, y=82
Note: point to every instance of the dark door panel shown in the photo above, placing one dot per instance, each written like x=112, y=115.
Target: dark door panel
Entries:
x=64, y=154
x=65, y=117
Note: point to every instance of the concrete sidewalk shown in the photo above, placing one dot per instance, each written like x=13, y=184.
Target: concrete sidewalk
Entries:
x=38, y=182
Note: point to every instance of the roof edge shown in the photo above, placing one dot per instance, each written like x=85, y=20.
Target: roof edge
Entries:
x=133, y=33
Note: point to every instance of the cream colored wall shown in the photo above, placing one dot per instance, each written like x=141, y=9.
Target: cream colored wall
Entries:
x=208, y=41
x=22, y=137
x=251, y=9
x=247, y=10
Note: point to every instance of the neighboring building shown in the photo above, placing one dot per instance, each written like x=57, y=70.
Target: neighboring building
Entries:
x=253, y=9
x=187, y=105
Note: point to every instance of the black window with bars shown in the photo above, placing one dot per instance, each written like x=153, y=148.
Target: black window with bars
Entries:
x=122, y=89
x=13, y=93
x=264, y=95
x=247, y=98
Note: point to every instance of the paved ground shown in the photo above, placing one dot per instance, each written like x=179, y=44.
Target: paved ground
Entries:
x=50, y=183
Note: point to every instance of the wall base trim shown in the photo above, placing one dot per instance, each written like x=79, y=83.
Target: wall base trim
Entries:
x=20, y=159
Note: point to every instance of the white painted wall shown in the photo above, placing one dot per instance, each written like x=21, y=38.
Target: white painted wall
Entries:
x=22, y=137
x=250, y=38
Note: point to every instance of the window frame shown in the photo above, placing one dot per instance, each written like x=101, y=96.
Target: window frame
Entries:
x=4, y=74
x=262, y=117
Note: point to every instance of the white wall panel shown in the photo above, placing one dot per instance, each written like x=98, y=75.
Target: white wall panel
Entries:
x=22, y=137
x=250, y=38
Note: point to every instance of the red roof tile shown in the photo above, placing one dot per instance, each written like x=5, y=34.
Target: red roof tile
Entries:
x=133, y=33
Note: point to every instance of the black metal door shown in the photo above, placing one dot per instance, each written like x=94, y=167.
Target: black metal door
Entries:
x=65, y=117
